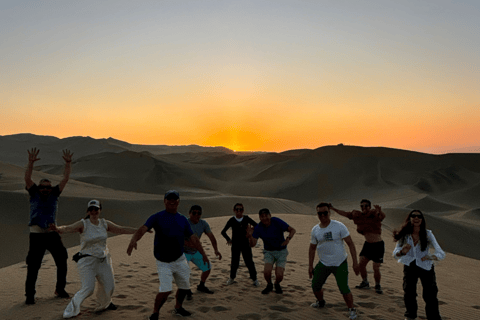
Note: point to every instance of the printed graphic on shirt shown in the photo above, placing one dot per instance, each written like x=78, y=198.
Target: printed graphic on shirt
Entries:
x=328, y=236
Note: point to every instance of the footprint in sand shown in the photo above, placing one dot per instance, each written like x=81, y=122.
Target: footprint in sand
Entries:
x=220, y=308
x=120, y=296
x=363, y=296
x=476, y=307
x=368, y=305
x=249, y=316
x=281, y=308
x=203, y=309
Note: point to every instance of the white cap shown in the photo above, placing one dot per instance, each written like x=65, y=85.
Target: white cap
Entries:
x=94, y=203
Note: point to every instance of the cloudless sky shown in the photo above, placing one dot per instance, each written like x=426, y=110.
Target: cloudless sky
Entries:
x=247, y=75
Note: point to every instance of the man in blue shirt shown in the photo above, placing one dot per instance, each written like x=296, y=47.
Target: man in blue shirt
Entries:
x=43, y=212
x=171, y=229
x=272, y=230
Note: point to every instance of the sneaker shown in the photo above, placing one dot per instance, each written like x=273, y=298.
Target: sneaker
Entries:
x=204, y=289
x=111, y=306
x=278, y=288
x=181, y=312
x=256, y=283
x=30, y=300
x=230, y=281
x=62, y=293
x=378, y=289
x=154, y=316
x=268, y=289
x=352, y=313
x=318, y=304
x=363, y=285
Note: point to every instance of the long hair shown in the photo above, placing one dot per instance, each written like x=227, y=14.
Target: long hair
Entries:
x=407, y=229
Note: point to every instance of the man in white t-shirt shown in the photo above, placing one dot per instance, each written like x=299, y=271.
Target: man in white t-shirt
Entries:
x=328, y=239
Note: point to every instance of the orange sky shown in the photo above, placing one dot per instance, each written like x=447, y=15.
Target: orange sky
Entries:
x=258, y=76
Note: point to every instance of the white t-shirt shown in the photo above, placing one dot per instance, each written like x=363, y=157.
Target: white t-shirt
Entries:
x=330, y=246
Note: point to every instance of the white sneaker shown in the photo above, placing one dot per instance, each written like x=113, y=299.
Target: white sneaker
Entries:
x=256, y=283
x=353, y=313
x=230, y=281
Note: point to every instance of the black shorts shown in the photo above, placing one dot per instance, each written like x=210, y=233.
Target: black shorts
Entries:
x=373, y=251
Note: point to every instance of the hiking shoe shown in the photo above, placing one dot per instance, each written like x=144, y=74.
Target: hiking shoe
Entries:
x=111, y=306
x=62, y=293
x=230, y=281
x=352, y=312
x=30, y=300
x=204, y=289
x=154, y=316
x=318, y=304
x=363, y=285
x=181, y=312
x=378, y=289
x=268, y=289
x=278, y=288
x=256, y=283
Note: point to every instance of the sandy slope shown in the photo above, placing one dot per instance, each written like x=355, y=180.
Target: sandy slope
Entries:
x=137, y=283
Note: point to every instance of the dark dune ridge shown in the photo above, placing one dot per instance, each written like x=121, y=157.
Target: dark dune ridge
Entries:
x=131, y=179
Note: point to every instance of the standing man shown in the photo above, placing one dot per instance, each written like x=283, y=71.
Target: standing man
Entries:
x=272, y=230
x=200, y=226
x=327, y=238
x=43, y=212
x=369, y=224
x=171, y=229
x=240, y=244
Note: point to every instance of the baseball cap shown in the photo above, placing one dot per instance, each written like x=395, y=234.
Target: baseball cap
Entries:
x=94, y=203
x=172, y=194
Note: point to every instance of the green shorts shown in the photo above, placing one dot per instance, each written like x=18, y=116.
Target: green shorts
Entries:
x=321, y=273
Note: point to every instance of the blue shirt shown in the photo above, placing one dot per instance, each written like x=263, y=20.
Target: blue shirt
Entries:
x=272, y=235
x=43, y=209
x=170, y=232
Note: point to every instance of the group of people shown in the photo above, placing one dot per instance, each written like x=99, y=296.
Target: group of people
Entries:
x=177, y=242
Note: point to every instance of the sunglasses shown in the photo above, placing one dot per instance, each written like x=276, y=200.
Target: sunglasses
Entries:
x=45, y=187
x=321, y=213
x=196, y=213
x=364, y=206
x=238, y=209
x=419, y=216
x=93, y=209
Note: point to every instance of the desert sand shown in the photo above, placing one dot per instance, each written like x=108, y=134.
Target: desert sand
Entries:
x=130, y=181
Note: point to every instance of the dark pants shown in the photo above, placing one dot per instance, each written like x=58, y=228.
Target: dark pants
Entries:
x=39, y=243
x=246, y=251
x=411, y=274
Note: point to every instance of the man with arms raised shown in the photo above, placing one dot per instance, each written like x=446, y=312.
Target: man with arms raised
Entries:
x=171, y=229
x=199, y=227
x=271, y=230
x=327, y=239
x=43, y=212
x=369, y=224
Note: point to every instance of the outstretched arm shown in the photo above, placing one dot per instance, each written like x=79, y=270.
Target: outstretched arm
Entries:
x=67, y=156
x=32, y=157
x=380, y=214
x=135, y=238
x=251, y=240
x=214, y=244
x=115, y=228
x=75, y=227
x=353, y=253
x=341, y=212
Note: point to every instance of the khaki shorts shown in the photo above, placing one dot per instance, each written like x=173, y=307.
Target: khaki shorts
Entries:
x=178, y=270
x=278, y=257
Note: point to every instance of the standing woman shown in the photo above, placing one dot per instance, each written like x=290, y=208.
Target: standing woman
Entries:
x=93, y=260
x=240, y=244
x=413, y=244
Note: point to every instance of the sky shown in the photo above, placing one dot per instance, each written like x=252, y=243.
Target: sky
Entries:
x=246, y=75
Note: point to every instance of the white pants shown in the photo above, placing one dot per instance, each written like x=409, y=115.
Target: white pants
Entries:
x=89, y=269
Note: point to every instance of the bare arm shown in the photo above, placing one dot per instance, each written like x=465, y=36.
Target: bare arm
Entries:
x=135, y=238
x=380, y=214
x=311, y=257
x=353, y=253
x=341, y=212
x=32, y=157
x=214, y=244
x=75, y=227
x=251, y=240
x=290, y=236
x=115, y=228
x=198, y=245
x=67, y=156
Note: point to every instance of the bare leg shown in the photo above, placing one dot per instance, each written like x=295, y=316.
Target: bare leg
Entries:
x=363, y=267
x=279, y=274
x=319, y=294
x=348, y=299
x=376, y=272
x=179, y=297
x=204, y=276
x=267, y=272
x=160, y=301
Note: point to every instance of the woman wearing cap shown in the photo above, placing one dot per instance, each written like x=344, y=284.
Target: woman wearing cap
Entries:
x=413, y=244
x=93, y=260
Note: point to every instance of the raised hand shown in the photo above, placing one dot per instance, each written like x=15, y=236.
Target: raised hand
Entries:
x=33, y=155
x=67, y=155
